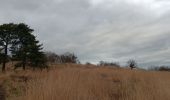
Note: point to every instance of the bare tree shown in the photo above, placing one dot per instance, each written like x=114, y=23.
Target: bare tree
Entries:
x=69, y=58
x=63, y=58
x=132, y=64
x=51, y=57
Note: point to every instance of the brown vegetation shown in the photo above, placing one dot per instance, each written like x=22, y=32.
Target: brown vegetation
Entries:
x=78, y=82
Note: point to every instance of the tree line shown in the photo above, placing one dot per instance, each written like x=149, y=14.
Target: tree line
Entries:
x=17, y=43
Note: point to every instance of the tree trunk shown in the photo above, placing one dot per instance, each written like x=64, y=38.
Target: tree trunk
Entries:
x=23, y=66
x=3, y=66
x=24, y=63
x=5, y=58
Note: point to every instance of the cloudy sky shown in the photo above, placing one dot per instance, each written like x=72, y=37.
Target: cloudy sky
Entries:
x=109, y=30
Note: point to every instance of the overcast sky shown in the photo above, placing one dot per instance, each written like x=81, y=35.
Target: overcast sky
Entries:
x=109, y=30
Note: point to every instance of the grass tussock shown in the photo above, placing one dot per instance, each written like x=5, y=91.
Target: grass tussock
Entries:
x=91, y=83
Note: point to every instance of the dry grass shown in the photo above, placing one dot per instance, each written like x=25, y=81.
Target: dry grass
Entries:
x=75, y=82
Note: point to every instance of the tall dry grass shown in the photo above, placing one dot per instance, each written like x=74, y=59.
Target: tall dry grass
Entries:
x=92, y=83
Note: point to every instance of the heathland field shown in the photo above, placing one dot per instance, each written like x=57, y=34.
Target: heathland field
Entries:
x=84, y=82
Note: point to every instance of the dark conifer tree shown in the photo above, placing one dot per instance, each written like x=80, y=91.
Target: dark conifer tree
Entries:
x=21, y=45
x=37, y=58
x=7, y=32
x=26, y=48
